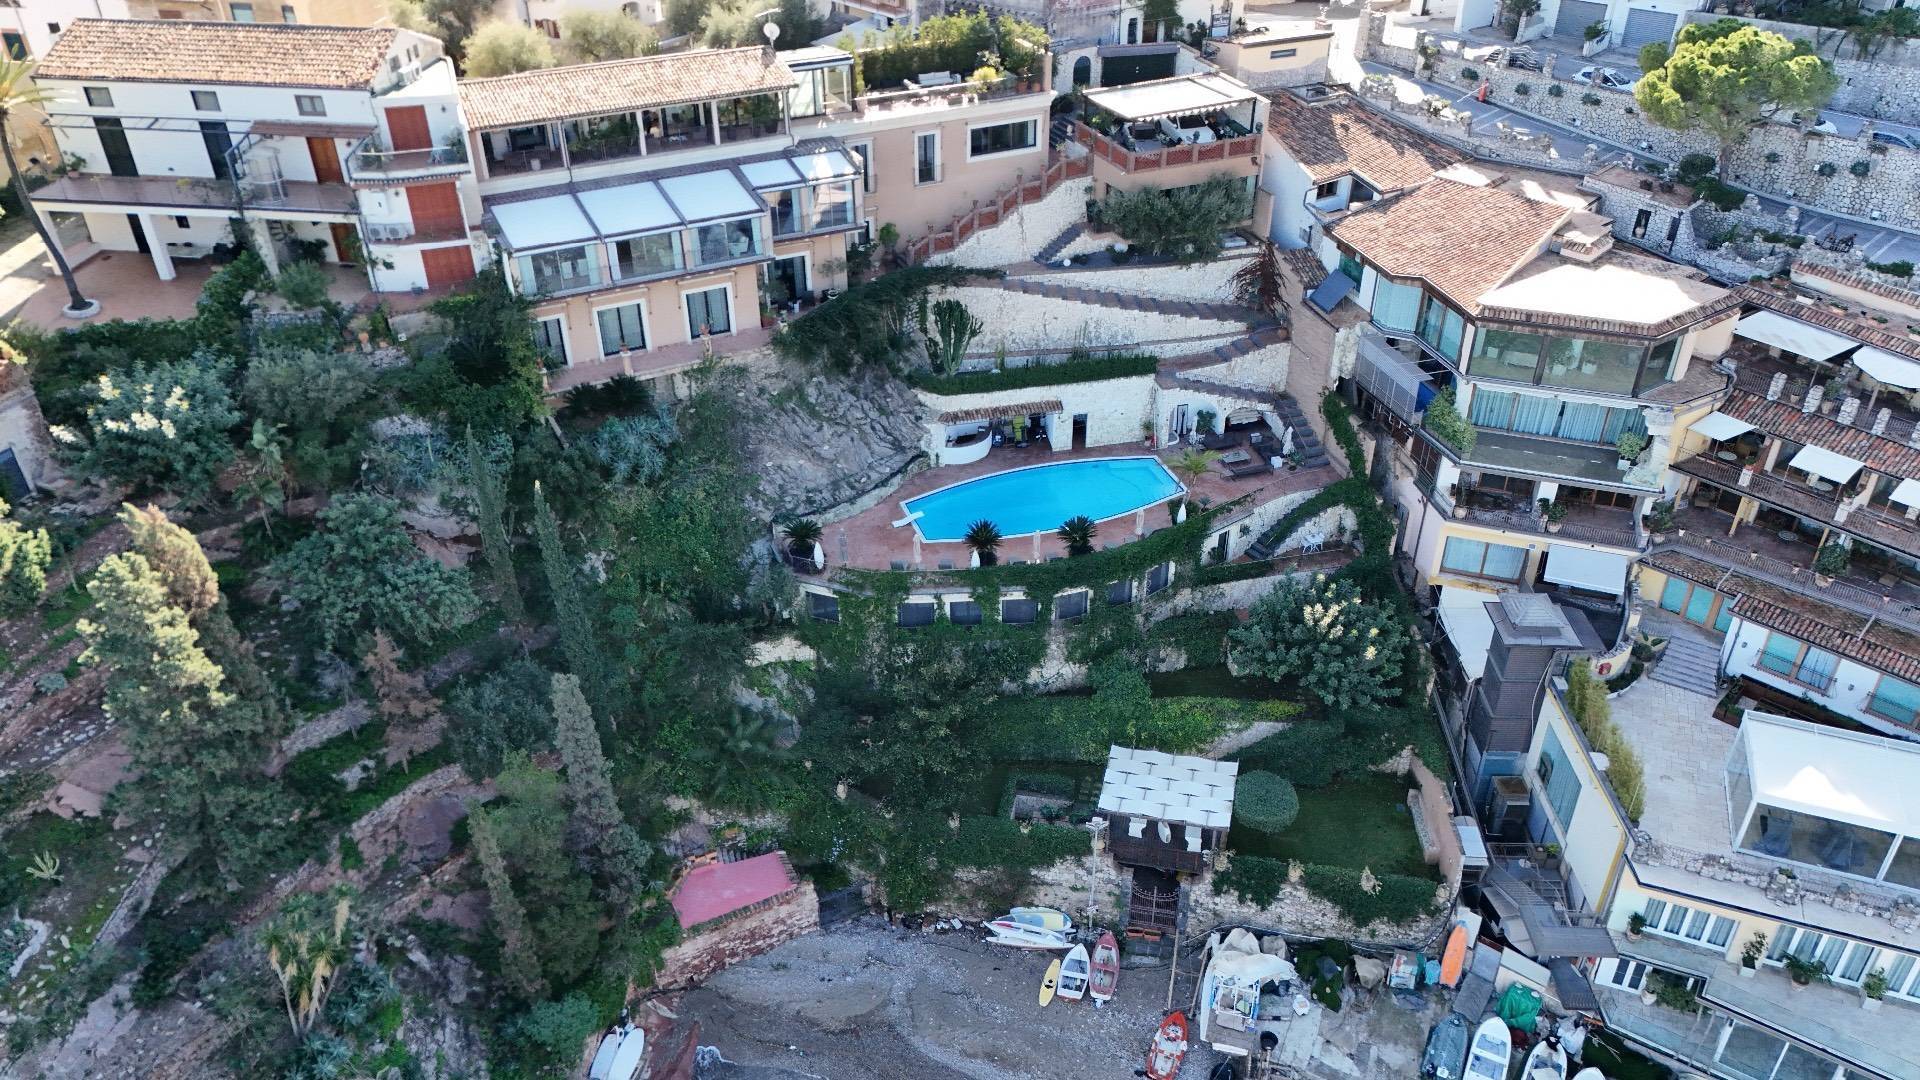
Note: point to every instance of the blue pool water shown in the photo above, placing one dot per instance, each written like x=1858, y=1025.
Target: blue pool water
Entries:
x=1039, y=498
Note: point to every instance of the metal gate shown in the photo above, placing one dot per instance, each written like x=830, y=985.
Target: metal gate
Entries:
x=1575, y=16
x=1646, y=25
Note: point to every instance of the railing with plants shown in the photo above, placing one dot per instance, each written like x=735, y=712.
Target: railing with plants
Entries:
x=1023, y=191
x=1107, y=148
x=1748, y=561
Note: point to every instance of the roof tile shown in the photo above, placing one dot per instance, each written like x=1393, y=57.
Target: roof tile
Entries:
x=649, y=82
x=1333, y=138
x=219, y=53
x=1462, y=239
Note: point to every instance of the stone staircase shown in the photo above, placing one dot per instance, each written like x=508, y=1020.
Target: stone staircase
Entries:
x=1691, y=664
x=1047, y=286
x=1058, y=244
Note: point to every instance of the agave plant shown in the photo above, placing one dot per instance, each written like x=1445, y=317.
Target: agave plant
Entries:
x=983, y=537
x=1077, y=534
x=46, y=867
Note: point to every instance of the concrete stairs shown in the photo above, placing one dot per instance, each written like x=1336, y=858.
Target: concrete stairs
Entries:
x=1049, y=286
x=1058, y=244
x=1691, y=664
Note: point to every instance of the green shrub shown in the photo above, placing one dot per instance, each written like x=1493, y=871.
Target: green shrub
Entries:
x=1902, y=268
x=159, y=427
x=302, y=284
x=24, y=556
x=1255, y=879
x=998, y=842
x=1444, y=420
x=1182, y=223
x=1860, y=169
x=1265, y=802
x=1397, y=898
x=1077, y=370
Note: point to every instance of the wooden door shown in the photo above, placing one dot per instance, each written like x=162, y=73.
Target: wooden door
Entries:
x=326, y=160
x=435, y=208
x=346, y=245
x=407, y=125
x=448, y=265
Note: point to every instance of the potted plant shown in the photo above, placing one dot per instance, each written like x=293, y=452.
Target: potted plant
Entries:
x=1636, y=925
x=1146, y=433
x=983, y=537
x=1203, y=421
x=1556, y=513
x=1830, y=561
x=1874, y=986
x=1804, y=972
x=802, y=538
x=1630, y=444
x=1660, y=520
x=1750, y=954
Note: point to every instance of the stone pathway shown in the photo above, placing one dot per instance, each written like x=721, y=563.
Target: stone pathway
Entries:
x=1133, y=302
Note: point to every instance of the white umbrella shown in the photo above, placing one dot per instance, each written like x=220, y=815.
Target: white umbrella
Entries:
x=974, y=561
x=819, y=556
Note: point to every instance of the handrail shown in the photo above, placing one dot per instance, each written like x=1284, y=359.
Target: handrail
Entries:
x=1109, y=149
x=1738, y=559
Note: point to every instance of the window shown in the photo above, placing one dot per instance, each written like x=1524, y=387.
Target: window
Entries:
x=53, y=28
x=1641, y=219
x=550, y=337
x=1441, y=327
x=206, y=101
x=287, y=14
x=622, y=328
x=1895, y=700
x=557, y=271
x=16, y=46
x=1120, y=592
x=1003, y=138
x=725, y=241
x=745, y=118
x=1845, y=961
x=1780, y=654
x=181, y=221
x=707, y=313
x=964, y=612
x=1327, y=190
x=823, y=608
x=1396, y=306
x=863, y=157
x=917, y=613
x=1159, y=577
x=1481, y=559
x=1018, y=611
x=1695, y=603
x=1350, y=266
x=1623, y=973
x=785, y=205
x=1071, y=606
x=831, y=206
x=1688, y=924
x=1816, y=668
x=310, y=104
x=99, y=97
x=241, y=12
x=1561, y=783
x=644, y=256
x=1282, y=54
x=926, y=158
x=1537, y=414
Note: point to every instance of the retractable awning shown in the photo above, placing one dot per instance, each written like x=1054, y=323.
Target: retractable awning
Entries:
x=1889, y=368
x=1463, y=615
x=1801, y=339
x=1718, y=426
x=1584, y=568
x=1906, y=493
x=1826, y=464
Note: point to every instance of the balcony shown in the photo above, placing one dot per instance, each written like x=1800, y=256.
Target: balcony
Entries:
x=1144, y=151
x=1613, y=526
x=406, y=232
x=1505, y=452
x=379, y=166
x=180, y=193
x=1802, y=500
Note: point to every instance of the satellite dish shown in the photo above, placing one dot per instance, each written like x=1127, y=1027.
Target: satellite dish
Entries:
x=772, y=30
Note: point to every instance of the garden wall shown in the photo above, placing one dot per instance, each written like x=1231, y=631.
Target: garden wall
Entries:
x=1018, y=320
x=1021, y=234
x=1114, y=407
x=1208, y=282
x=1298, y=911
x=1887, y=85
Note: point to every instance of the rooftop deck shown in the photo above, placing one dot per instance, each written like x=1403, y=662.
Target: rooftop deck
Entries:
x=1503, y=451
x=204, y=194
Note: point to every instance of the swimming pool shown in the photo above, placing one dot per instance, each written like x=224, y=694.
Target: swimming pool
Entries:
x=1040, y=497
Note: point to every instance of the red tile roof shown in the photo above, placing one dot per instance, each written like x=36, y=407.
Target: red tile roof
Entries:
x=719, y=889
x=1461, y=239
x=219, y=53
x=1785, y=419
x=645, y=82
x=1820, y=315
x=1333, y=138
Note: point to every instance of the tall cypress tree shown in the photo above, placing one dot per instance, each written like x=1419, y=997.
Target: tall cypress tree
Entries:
x=608, y=846
x=496, y=547
x=519, y=964
x=570, y=611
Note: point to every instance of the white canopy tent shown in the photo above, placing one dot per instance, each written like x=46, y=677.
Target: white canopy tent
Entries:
x=1906, y=492
x=1182, y=95
x=1585, y=568
x=1720, y=427
x=1463, y=615
x=1826, y=464
x=1889, y=368
x=1801, y=339
x=1860, y=779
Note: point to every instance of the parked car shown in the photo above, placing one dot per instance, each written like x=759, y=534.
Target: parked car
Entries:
x=1820, y=124
x=1605, y=78
x=1895, y=138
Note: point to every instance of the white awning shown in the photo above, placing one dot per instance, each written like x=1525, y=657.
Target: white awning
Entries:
x=708, y=196
x=539, y=223
x=1857, y=778
x=1718, y=426
x=1463, y=615
x=825, y=165
x=770, y=174
x=1583, y=568
x=1181, y=95
x=1906, y=492
x=1824, y=463
x=628, y=209
x=1801, y=339
x=1889, y=368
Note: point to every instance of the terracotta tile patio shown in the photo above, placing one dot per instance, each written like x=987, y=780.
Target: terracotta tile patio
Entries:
x=869, y=540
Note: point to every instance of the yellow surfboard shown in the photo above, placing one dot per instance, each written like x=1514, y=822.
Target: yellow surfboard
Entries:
x=1049, y=984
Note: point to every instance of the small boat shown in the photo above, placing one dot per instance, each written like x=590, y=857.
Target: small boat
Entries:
x=1106, y=968
x=1021, y=936
x=1446, y=1052
x=619, y=1055
x=1492, y=1049
x=1169, y=1047
x=1546, y=1061
x=1045, y=918
x=1453, y=961
x=1589, y=1073
x=1049, y=983
x=1074, y=974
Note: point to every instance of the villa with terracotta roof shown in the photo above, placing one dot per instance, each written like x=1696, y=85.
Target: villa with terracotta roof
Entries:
x=1327, y=152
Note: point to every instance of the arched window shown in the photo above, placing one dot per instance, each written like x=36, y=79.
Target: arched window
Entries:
x=1083, y=71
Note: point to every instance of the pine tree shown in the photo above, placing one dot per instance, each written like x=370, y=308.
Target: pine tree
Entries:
x=411, y=712
x=519, y=964
x=195, y=745
x=610, y=847
x=570, y=611
x=496, y=547
x=192, y=586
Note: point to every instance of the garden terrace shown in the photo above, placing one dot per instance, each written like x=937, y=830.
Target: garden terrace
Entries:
x=1165, y=123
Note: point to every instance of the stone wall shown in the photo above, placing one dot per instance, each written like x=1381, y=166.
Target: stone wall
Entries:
x=762, y=928
x=1299, y=912
x=1207, y=283
x=1885, y=85
x=1017, y=320
x=1263, y=371
x=1726, y=244
x=1251, y=527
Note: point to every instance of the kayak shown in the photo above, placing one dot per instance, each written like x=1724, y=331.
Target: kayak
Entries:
x=1048, y=983
x=1453, y=962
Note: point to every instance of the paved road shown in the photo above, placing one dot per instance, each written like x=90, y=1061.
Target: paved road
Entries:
x=1881, y=243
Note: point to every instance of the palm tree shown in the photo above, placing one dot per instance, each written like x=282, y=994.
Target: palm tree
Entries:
x=738, y=748
x=801, y=536
x=983, y=537
x=307, y=946
x=1192, y=465
x=1077, y=534
x=17, y=93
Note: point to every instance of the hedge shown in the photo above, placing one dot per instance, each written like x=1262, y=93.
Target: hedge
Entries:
x=998, y=842
x=1257, y=880
x=1081, y=370
x=1073, y=728
x=1264, y=802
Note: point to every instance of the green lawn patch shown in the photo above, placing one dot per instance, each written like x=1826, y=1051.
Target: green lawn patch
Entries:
x=1215, y=681
x=1089, y=369
x=1353, y=823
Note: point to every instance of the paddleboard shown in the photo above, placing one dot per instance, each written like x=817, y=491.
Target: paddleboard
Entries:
x=1049, y=983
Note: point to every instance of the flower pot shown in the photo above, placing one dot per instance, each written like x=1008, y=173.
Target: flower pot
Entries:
x=1647, y=997
x=1747, y=972
x=1822, y=580
x=1870, y=1004
x=1460, y=513
x=1625, y=464
x=1797, y=985
x=1553, y=526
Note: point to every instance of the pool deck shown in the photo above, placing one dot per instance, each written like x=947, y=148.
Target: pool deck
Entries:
x=868, y=540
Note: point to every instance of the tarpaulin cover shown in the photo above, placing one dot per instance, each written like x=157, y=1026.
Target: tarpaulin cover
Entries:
x=1520, y=1006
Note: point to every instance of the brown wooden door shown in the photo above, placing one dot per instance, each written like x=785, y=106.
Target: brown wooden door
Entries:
x=447, y=265
x=346, y=245
x=435, y=208
x=326, y=160
x=407, y=124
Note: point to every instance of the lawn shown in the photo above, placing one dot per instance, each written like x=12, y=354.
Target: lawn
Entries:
x=1359, y=822
x=1214, y=682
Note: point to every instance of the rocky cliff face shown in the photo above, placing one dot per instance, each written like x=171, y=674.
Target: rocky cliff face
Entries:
x=817, y=440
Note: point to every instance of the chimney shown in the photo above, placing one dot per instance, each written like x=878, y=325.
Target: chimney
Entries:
x=1812, y=402
x=1777, y=387
x=1848, y=410
x=1880, y=421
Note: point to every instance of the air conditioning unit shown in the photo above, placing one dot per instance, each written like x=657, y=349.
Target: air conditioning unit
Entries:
x=1512, y=800
x=388, y=231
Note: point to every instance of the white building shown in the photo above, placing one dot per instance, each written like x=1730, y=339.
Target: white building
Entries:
x=1628, y=24
x=330, y=142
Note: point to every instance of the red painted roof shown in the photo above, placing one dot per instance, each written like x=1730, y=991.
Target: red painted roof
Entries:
x=718, y=889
